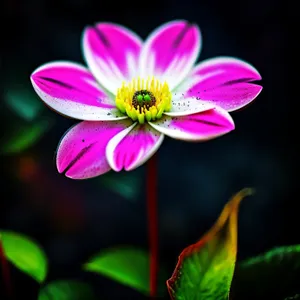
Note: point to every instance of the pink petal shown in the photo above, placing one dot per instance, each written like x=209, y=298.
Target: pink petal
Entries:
x=225, y=82
x=170, y=52
x=111, y=52
x=71, y=90
x=196, y=127
x=131, y=148
x=81, y=153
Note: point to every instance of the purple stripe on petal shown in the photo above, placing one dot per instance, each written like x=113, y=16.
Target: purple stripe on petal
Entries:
x=131, y=148
x=225, y=82
x=111, y=52
x=171, y=51
x=73, y=91
x=81, y=152
x=69, y=80
x=196, y=127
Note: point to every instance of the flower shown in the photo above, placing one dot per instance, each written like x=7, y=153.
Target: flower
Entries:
x=137, y=92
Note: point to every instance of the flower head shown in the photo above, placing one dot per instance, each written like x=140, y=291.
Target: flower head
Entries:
x=134, y=93
x=144, y=100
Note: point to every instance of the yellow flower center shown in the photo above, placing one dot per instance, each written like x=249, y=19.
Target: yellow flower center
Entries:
x=144, y=99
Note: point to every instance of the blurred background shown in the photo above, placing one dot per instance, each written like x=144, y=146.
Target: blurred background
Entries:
x=73, y=220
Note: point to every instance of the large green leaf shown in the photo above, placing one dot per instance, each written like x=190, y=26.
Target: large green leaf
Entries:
x=205, y=269
x=24, y=136
x=276, y=271
x=128, y=266
x=66, y=290
x=24, y=103
x=125, y=184
x=293, y=298
x=25, y=254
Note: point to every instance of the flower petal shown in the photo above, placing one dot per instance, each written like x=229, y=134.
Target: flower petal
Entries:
x=81, y=152
x=187, y=106
x=111, y=52
x=225, y=82
x=71, y=90
x=131, y=148
x=196, y=127
x=170, y=52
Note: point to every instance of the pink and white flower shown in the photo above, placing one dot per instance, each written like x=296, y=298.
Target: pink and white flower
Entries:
x=134, y=93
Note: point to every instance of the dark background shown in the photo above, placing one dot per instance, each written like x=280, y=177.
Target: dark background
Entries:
x=73, y=220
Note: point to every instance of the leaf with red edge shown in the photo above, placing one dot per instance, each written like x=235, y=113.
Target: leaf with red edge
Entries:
x=205, y=269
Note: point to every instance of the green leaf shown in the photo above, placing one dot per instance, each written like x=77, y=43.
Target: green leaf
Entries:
x=128, y=266
x=205, y=269
x=277, y=269
x=125, y=184
x=24, y=136
x=66, y=290
x=25, y=254
x=293, y=298
x=24, y=103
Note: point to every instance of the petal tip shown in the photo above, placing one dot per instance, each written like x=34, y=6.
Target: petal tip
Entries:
x=32, y=78
x=115, y=167
x=260, y=88
x=258, y=91
x=231, y=126
x=59, y=167
x=35, y=74
x=59, y=163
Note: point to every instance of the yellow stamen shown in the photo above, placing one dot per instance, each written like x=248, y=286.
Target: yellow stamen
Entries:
x=144, y=99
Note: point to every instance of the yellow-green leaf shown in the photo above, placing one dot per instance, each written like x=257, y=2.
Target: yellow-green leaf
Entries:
x=25, y=254
x=278, y=267
x=66, y=290
x=205, y=269
x=24, y=136
x=128, y=266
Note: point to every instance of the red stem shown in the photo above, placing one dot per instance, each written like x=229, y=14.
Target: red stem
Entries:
x=5, y=270
x=151, y=180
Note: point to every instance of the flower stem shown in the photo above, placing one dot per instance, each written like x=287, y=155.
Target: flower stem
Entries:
x=152, y=222
x=5, y=270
